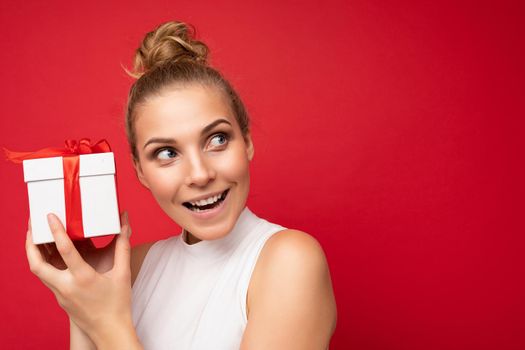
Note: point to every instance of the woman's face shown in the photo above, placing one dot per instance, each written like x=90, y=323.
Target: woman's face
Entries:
x=194, y=159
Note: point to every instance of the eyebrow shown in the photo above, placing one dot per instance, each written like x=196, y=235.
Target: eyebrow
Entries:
x=206, y=129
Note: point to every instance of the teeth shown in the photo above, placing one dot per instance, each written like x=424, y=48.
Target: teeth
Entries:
x=207, y=201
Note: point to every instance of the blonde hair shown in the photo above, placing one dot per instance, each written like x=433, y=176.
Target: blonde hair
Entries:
x=170, y=56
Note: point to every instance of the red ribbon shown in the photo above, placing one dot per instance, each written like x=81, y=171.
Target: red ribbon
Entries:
x=70, y=162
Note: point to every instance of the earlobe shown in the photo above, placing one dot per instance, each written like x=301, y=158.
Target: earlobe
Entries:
x=250, y=151
x=140, y=174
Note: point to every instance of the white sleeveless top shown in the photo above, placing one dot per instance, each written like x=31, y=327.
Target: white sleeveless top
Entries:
x=194, y=296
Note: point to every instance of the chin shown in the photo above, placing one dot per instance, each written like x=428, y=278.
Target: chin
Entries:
x=213, y=232
x=210, y=230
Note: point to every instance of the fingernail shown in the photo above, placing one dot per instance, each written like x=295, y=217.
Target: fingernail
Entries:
x=52, y=220
x=127, y=223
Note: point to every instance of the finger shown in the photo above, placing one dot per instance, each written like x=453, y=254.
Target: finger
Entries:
x=55, y=291
x=44, y=249
x=50, y=286
x=122, y=247
x=124, y=219
x=66, y=248
x=47, y=273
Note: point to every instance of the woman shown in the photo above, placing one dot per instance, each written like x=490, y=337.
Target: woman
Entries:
x=231, y=279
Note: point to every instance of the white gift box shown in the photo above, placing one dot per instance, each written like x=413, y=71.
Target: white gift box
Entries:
x=45, y=187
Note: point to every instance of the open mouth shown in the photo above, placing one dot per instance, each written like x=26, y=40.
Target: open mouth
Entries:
x=207, y=206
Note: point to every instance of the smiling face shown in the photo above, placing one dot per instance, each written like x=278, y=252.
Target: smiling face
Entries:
x=193, y=157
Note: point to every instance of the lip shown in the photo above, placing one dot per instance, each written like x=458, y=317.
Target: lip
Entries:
x=210, y=213
x=205, y=196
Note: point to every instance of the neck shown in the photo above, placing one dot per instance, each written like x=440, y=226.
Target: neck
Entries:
x=190, y=239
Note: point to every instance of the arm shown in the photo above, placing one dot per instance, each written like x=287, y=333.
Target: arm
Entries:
x=291, y=301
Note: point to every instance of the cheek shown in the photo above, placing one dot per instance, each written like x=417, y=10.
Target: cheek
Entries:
x=234, y=167
x=163, y=182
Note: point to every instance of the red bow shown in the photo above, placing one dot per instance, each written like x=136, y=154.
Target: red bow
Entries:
x=70, y=162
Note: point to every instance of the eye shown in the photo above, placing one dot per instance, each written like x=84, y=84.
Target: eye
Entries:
x=219, y=140
x=165, y=153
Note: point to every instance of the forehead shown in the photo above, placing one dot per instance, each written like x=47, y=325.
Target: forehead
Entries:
x=180, y=113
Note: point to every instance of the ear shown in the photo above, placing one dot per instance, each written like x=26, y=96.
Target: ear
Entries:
x=140, y=173
x=250, y=151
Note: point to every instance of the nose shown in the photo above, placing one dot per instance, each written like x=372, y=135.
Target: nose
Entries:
x=200, y=171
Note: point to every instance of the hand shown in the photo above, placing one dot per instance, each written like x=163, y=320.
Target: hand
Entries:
x=100, y=259
x=97, y=298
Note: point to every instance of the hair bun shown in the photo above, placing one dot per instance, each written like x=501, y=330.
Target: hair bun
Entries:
x=169, y=43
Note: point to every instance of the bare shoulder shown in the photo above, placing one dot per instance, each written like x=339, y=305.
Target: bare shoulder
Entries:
x=291, y=252
x=294, y=244
x=138, y=253
x=290, y=292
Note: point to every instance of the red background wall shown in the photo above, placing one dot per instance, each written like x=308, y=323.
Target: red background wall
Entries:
x=392, y=131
